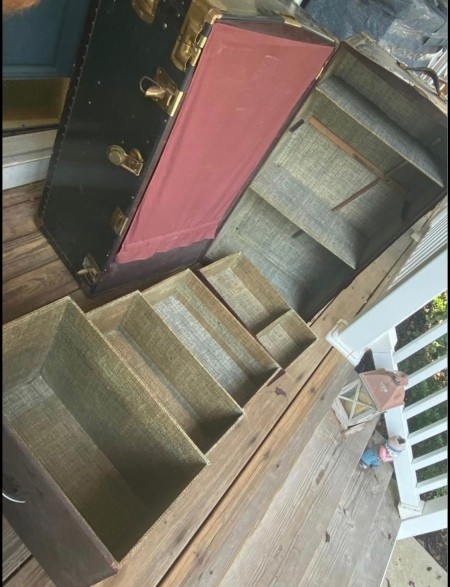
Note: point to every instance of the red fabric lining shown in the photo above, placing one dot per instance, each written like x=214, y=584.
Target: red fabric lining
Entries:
x=245, y=86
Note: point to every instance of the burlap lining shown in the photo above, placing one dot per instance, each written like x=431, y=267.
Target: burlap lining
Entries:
x=114, y=451
x=260, y=307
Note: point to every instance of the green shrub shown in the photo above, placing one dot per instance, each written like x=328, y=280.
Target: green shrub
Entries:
x=432, y=314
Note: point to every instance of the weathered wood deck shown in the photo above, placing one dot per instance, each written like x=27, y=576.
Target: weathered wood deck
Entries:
x=300, y=512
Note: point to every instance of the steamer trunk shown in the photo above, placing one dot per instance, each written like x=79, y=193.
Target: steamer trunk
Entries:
x=196, y=130
x=169, y=115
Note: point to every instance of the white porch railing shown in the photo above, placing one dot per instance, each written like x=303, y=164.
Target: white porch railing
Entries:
x=421, y=279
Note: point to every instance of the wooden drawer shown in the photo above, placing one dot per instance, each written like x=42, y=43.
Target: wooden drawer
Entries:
x=257, y=303
x=91, y=458
x=196, y=400
x=212, y=335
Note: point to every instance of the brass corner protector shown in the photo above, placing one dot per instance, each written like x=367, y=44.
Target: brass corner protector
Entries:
x=190, y=42
x=146, y=9
x=132, y=161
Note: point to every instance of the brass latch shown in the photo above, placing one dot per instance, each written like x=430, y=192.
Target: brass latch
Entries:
x=146, y=9
x=132, y=161
x=190, y=41
x=162, y=90
x=118, y=221
x=90, y=270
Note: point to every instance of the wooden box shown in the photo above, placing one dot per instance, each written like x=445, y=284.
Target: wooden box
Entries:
x=216, y=339
x=91, y=459
x=197, y=400
x=362, y=160
x=260, y=307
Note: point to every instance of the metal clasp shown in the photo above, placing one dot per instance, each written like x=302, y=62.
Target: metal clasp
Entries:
x=90, y=270
x=132, y=161
x=162, y=90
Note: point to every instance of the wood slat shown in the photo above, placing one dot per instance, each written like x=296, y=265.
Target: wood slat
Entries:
x=335, y=561
x=15, y=553
x=35, y=289
x=25, y=254
x=379, y=543
x=30, y=575
x=19, y=220
x=307, y=507
x=24, y=193
x=381, y=175
x=288, y=516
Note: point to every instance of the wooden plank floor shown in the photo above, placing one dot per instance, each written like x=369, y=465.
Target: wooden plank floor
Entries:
x=33, y=276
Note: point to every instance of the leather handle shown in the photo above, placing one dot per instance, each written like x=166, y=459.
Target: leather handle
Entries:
x=428, y=71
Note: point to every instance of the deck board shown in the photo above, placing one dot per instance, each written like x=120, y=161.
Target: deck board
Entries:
x=31, y=191
x=335, y=560
x=288, y=523
x=379, y=543
x=19, y=219
x=37, y=284
x=30, y=575
x=15, y=553
x=26, y=253
x=36, y=288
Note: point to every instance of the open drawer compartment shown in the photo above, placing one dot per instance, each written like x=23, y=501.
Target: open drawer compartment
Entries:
x=257, y=303
x=296, y=265
x=363, y=159
x=94, y=458
x=217, y=340
x=194, y=398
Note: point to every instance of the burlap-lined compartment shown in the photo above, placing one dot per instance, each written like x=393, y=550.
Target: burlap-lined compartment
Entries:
x=195, y=399
x=217, y=340
x=113, y=450
x=262, y=309
x=362, y=160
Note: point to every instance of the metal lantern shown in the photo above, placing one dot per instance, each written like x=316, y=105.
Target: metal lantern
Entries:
x=370, y=394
